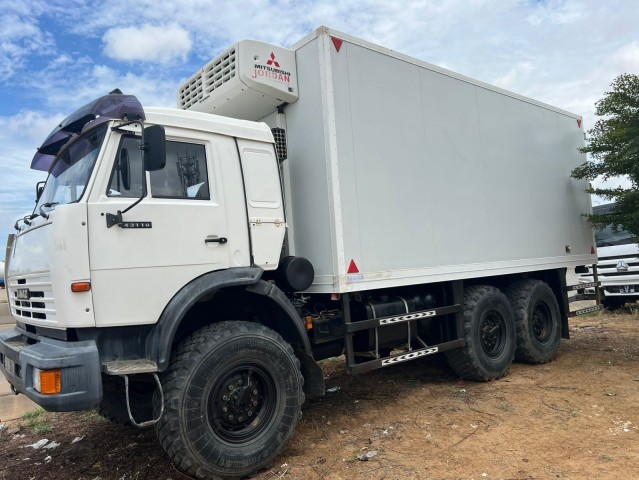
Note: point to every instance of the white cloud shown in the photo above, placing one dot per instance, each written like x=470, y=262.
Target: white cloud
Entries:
x=626, y=59
x=100, y=80
x=557, y=12
x=20, y=37
x=148, y=43
x=91, y=80
x=24, y=132
x=511, y=77
x=20, y=135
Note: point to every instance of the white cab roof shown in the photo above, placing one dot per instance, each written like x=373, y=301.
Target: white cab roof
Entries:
x=208, y=122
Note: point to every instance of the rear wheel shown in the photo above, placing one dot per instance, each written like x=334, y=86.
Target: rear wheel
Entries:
x=233, y=396
x=537, y=320
x=489, y=334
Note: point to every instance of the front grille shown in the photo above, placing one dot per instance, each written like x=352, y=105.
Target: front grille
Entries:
x=622, y=289
x=39, y=305
x=212, y=76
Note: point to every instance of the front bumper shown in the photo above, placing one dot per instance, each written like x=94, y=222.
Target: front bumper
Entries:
x=78, y=362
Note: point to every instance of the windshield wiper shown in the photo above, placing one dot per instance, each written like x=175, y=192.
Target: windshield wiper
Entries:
x=46, y=205
x=26, y=219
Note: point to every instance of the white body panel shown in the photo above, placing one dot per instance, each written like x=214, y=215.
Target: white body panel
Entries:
x=421, y=175
x=47, y=258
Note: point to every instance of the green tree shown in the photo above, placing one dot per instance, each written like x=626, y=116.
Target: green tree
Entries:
x=613, y=145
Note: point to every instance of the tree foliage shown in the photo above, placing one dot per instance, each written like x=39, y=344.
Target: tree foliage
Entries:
x=613, y=145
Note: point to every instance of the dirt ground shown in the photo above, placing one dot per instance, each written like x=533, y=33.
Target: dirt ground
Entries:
x=576, y=417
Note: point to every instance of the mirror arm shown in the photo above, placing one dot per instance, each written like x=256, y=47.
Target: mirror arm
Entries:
x=113, y=219
x=118, y=128
x=116, y=219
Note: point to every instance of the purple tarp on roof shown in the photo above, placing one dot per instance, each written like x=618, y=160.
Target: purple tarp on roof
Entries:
x=112, y=106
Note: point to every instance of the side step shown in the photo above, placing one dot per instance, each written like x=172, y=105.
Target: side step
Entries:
x=585, y=311
x=124, y=368
x=404, y=356
x=129, y=367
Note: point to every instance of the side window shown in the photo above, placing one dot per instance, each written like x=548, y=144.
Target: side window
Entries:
x=126, y=177
x=185, y=174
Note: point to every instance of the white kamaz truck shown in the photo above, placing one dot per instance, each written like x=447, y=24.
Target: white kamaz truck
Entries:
x=189, y=267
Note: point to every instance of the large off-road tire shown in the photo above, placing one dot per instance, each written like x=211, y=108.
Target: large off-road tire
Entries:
x=233, y=394
x=489, y=333
x=113, y=403
x=537, y=320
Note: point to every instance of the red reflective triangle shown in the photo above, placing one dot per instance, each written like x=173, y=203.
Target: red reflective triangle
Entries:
x=352, y=268
x=337, y=42
x=579, y=122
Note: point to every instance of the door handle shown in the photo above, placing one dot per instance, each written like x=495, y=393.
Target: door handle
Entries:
x=216, y=240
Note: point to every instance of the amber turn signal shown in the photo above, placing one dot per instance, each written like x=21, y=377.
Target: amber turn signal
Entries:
x=48, y=382
x=80, y=287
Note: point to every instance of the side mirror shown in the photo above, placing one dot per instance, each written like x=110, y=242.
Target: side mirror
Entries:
x=39, y=190
x=154, y=148
x=124, y=168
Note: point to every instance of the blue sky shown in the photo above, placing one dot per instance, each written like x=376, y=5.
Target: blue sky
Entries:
x=57, y=55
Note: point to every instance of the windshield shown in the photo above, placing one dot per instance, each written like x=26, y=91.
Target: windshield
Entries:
x=607, y=237
x=71, y=170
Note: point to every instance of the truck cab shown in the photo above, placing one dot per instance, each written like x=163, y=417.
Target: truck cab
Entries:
x=216, y=204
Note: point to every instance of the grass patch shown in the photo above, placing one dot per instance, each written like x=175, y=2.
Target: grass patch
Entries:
x=37, y=421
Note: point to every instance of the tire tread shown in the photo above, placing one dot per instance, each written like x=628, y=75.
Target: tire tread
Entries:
x=518, y=293
x=184, y=360
x=464, y=361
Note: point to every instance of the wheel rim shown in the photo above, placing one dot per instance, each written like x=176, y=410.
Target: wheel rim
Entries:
x=492, y=334
x=541, y=322
x=242, y=403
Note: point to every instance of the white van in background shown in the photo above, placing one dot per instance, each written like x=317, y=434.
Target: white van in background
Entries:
x=617, y=264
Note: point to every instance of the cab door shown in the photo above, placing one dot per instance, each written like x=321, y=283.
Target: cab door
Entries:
x=192, y=221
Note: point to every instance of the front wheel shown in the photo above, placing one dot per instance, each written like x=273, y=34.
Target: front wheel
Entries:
x=233, y=395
